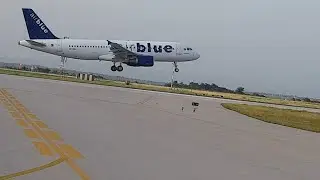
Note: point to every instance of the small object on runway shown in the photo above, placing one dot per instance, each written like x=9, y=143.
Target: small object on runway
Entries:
x=195, y=104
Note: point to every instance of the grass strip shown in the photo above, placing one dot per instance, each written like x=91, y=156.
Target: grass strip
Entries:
x=304, y=120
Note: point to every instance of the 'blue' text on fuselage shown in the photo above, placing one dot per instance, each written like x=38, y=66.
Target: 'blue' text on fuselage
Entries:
x=155, y=48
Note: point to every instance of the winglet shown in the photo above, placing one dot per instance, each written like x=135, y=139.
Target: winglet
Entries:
x=35, y=26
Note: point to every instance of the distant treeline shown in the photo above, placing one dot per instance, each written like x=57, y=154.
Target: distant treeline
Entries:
x=45, y=70
x=206, y=87
x=216, y=88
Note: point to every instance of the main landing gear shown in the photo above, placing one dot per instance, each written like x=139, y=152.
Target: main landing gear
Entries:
x=176, y=69
x=63, y=62
x=62, y=65
x=116, y=68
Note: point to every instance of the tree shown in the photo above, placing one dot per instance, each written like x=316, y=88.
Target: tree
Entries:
x=240, y=90
x=307, y=99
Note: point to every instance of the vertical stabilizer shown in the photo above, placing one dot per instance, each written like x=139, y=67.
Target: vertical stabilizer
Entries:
x=36, y=27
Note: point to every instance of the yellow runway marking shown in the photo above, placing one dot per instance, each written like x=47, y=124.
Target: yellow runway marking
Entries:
x=40, y=129
x=22, y=123
x=72, y=153
x=32, y=116
x=52, y=135
x=29, y=171
x=43, y=148
x=16, y=114
x=41, y=124
x=30, y=133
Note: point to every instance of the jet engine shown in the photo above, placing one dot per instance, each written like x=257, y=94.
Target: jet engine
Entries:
x=145, y=61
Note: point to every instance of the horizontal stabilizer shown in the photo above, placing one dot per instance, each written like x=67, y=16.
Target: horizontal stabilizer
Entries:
x=35, y=43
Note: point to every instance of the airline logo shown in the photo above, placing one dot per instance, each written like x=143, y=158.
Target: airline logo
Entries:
x=156, y=48
x=40, y=24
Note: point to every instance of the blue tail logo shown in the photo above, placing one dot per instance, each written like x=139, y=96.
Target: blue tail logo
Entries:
x=36, y=27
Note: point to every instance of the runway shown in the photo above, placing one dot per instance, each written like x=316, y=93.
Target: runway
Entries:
x=123, y=134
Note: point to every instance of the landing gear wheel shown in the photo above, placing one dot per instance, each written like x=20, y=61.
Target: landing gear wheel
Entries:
x=113, y=68
x=176, y=69
x=120, y=68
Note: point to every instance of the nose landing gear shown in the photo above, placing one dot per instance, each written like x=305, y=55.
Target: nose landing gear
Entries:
x=176, y=69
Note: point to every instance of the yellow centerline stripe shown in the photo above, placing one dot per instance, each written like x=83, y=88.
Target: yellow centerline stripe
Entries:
x=26, y=116
x=32, y=170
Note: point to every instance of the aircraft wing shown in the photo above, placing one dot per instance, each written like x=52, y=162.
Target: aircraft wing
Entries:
x=120, y=52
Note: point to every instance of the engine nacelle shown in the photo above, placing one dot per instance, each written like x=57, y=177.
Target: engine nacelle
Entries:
x=145, y=61
x=107, y=57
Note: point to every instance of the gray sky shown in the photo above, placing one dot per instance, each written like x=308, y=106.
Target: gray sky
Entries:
x=269, y=45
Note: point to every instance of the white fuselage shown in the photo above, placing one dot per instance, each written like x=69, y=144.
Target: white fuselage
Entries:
x=100, y=50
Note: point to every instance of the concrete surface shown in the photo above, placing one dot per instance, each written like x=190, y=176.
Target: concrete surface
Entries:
x=127, y=134
x=18, y=154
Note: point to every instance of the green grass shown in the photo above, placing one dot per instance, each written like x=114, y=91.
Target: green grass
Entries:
x=291, y=118
x=165, y=89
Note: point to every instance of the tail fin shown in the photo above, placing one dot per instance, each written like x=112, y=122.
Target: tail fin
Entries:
x=36, y=27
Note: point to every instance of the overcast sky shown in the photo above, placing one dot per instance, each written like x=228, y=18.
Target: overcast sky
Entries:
x=270, y=45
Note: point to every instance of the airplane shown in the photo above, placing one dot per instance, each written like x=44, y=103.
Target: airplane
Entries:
x=130, y=52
